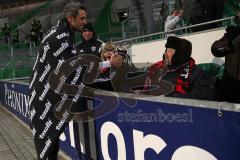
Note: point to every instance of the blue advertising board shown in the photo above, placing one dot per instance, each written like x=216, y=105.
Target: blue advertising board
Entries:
x=150, y=130
x=156, y=130
x=14, y=97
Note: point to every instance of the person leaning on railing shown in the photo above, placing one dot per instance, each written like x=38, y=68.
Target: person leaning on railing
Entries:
x=173, y=22
x=228, y=47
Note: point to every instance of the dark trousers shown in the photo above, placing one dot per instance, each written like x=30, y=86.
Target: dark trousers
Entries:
x=53, y=154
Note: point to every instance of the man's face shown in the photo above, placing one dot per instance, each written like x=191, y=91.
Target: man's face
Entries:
x=87, y=35
x=175, y=12
x=169, y=54
x=79, y=21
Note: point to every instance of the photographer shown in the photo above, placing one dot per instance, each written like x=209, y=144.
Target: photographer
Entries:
x=227, y=47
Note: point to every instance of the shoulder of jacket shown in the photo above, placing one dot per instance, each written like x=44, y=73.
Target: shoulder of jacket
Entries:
x=79, y=43
x=99, y=40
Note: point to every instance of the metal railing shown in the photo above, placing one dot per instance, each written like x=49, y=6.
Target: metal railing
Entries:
x=19, y=62
x=12, y=72
x=183, y=30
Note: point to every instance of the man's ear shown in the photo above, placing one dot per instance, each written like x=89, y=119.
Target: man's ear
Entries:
x=70, y=19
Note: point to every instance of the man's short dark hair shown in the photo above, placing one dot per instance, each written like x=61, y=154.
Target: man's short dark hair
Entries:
x=72, y=9
x=174, y=9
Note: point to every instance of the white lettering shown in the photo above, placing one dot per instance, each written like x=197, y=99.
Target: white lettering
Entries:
x=107, y=129
x=16, y=100
x=62, y=81
x=32, y=114
x=47, y=144
x=47, y=69
x=78, y=73
x=47, y=126
x=33, y=94
x=61, y=49
x=60, y=124
x=60, y=62
x=141, y=143
x=47, y=87
x=192, y=152
x=73, y=62
x=80, y=89
x=45, y=49
x=45, y=112
x=62, y=35
x=90, y=67
x=63, y=99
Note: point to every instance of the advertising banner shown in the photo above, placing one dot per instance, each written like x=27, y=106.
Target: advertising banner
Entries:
x=14, y=97
x=155, y=130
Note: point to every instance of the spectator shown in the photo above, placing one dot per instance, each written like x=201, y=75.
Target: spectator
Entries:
x=227, y=47
x=34, y=22
x=204, y=11
x=6, y=31
x=173, y=22
x=16, y=39
x=34, y=33
x=188, y=79
x=89, y=44
x=116, y=79
x=108, y=51
x=39, y=30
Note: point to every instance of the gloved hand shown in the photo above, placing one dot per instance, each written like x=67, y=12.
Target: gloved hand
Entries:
x=232, y=33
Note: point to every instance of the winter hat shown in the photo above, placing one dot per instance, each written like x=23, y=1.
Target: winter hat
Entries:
x=88, y=27
x=183, y=50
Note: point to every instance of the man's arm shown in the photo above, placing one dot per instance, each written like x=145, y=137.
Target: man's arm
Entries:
x=171, y=23
x=219, y=48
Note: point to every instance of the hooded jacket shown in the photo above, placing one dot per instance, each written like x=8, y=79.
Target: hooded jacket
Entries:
x=92, y=46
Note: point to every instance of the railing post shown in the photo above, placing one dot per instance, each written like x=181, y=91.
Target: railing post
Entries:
x=30, y=49
x=123, y=32
x=231, y=21
x=1, y=73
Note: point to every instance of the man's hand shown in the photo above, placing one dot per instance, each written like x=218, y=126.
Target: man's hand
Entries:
x=116, y=61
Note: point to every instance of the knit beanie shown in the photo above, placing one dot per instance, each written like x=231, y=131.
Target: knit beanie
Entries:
x=88, y=27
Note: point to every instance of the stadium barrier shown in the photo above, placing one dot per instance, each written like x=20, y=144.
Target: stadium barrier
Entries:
x=140, y=127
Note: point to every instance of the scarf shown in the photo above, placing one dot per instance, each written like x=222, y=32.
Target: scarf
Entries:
x=184, y=72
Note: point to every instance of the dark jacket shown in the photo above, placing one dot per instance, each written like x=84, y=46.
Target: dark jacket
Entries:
x=120, y=79
x=228, y=47
x=204, y=11
x=56, y=48
x=201, y=83
x=92, y=46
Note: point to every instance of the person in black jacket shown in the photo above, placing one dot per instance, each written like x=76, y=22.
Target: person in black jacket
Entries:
x=6, y=31
x=188, y=80
x=228, y=47
x=89, y=44
x=56, y=85
x=204, y=11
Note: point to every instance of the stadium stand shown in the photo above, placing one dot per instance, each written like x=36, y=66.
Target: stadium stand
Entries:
x=48, y=13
